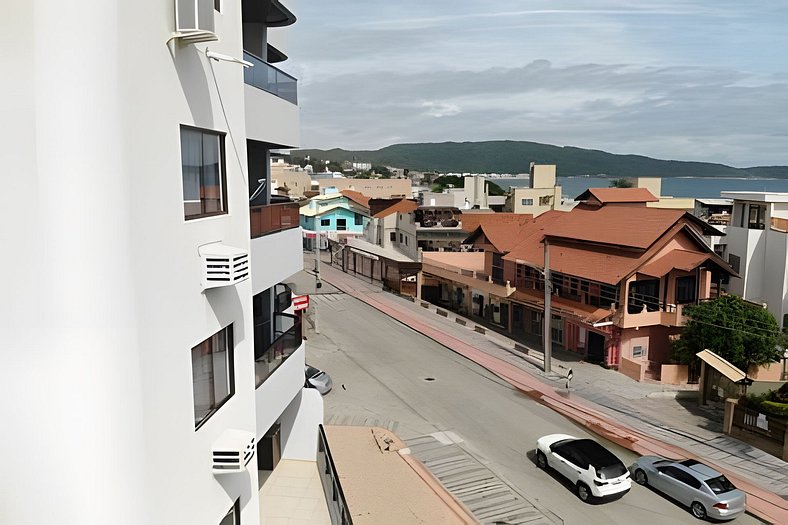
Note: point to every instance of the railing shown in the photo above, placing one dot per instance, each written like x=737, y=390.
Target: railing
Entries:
x=268, y=78
x=273, y=218
x=287, y=339
x=335, y=498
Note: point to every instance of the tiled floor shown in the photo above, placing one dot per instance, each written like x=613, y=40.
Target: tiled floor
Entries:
x=293, y=495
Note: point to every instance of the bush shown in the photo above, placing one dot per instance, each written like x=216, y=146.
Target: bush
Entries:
x=765, y=403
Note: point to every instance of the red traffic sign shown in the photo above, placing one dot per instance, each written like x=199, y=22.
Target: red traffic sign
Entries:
x=300, y=302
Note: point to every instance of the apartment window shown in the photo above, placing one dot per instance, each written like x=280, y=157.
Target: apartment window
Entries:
x=217, y=5
x=358, y=220
x=400, y=238
x=546, y=200
x=757, y=217
x=638, y=352
x=202, y=165
x=406, y=241
x=685, y=289
x=643, y=294
x=527, y=202
x=341, y=224
x=212, y=374
x=233, y=517
x=393, y=236
x=325, y=222
x=735, y=262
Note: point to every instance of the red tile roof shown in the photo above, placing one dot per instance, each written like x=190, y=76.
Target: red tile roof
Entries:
x=606, y=244
x=617, y=195
x=471, y=221
x=616, y=225
x=402, y=206
x=357, y=197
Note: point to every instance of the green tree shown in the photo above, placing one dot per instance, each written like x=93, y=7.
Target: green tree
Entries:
x=383, y=171
x=743, y=333
x=621, y=183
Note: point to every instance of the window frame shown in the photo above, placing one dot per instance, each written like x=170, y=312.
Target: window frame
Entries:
x=230, y=365
x=689, y=294
x=642, y=354
x=341, y=226
x=325, y=222
x=358, y=220
x=526, y=202
x=220, y=135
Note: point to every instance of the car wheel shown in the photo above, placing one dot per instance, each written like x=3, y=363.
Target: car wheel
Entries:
x=698, y=510
x=541, y=460
x=640, y=477
x=584, y=493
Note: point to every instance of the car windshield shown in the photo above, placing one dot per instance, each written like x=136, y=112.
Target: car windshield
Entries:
x=311, y=371
x=720, y=485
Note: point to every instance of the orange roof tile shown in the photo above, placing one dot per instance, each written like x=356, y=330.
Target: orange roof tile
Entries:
x=470, y=221
x=402, y=206
x=618, y=195
x=680, y=259
x=357, y=197
x=616, y=225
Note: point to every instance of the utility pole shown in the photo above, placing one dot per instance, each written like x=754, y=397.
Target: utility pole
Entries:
x=547, y=318
x=318, y=284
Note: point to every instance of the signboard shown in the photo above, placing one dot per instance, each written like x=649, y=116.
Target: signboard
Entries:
x=300, y=302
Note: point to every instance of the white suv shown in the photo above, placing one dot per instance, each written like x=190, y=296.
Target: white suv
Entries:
x=591, y=468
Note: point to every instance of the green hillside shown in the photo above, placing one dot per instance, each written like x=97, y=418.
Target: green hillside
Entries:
x=515, y=157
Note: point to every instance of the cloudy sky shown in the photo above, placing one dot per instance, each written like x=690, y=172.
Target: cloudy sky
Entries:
x=689, y=80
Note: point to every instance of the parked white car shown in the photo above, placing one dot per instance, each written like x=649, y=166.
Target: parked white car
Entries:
x=591, y=468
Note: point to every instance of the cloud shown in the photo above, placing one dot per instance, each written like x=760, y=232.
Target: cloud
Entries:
x=702, y=80
x=440, y=109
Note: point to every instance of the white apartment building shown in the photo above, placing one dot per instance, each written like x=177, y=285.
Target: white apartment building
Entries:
x=758, y=249
x=150, y=368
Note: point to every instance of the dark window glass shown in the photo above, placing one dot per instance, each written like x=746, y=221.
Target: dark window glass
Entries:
x=393, y=236
x=325, y=222
x=685, y=289
x=720, y=485
x=757, y=217
x=212, y=374
x=643, y=293
x=341, y=224
x=202, y=166
x=358, y=219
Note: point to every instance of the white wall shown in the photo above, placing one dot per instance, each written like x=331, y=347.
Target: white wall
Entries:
x=299, y=425
x=105, y=298
x=275, y=257
x=271, y=119
x=278, y=390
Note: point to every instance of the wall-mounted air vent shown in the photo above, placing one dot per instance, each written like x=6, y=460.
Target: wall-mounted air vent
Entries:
x=232, y=451
x=223, y=265
x=194, y=21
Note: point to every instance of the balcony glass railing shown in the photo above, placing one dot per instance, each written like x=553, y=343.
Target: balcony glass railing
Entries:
x=287, y=339
x=268, y=78
x=272, y=218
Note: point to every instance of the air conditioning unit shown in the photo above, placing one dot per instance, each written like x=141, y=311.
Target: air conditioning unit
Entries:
x=232, y=451
x=223, y=265
x=194, y=21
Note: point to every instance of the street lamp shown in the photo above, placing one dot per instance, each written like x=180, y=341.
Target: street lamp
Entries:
x=547, y=339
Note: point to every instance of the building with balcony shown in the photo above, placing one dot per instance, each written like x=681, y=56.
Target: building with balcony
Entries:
x=758, y=249
x=620, y=275
x=541, y=195
x=161, y=367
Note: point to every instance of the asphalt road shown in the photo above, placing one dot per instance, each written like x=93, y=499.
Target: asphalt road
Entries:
x=385, y=373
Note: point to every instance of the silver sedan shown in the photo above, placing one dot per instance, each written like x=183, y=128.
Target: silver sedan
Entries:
x=701, y=488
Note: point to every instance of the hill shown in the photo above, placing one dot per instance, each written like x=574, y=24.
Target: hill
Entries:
x=508, y=156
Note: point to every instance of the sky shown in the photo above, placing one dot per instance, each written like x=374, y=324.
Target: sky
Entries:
x=686, y=80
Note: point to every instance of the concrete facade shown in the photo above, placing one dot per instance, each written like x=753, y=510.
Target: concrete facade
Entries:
x=108, y=302
x=758, y=245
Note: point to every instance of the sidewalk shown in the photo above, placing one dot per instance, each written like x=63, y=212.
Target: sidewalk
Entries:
x=646, y=418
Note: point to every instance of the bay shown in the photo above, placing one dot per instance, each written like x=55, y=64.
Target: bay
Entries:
x=697, y=187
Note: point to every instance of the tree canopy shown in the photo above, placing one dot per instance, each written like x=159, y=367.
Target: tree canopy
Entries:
x=621, y=183
x=743, y=333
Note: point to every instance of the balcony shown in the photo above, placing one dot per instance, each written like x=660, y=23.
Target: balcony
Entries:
x=268, y=78
x=286, y=340
x=272, y=218
x=648, y=315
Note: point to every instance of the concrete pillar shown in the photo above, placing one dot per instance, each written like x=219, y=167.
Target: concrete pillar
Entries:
x=419, y=284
